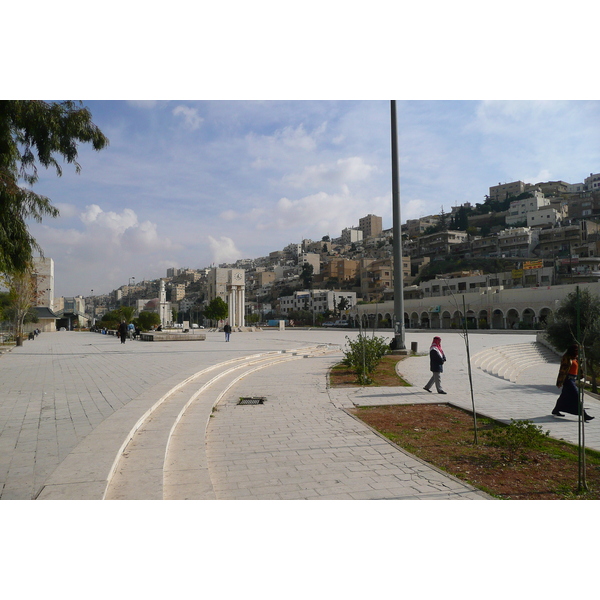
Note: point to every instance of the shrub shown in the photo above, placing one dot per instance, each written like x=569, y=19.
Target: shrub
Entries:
x=364, y=354
x=516, y=437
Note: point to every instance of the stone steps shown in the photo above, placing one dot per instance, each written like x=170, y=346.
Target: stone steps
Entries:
x=509, y=362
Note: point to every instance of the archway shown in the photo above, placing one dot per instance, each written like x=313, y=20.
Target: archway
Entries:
x=512, y=319
x=414, y=320
x=446, y=320
x=498, y=319
x=425, y=320
x=528, y=318
x=483, y=320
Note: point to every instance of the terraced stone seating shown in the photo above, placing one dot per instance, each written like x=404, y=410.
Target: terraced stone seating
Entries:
x=509, y=362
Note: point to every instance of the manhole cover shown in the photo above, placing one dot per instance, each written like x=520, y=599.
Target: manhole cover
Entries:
x=254, y=400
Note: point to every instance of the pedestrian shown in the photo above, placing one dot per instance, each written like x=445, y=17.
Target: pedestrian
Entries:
x=123, y=331
x=131, y=331
x=568, y=401
x=227, y=330
x=437, y=358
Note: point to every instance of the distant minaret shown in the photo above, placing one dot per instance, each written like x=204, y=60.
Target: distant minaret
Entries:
x=163, y=309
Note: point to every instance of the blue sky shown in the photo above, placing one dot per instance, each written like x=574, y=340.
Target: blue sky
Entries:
x=192, y=183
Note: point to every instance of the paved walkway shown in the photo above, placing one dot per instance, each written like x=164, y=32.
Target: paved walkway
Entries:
x=69, y=401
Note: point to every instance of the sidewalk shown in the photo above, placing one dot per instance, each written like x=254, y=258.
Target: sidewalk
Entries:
x=61, y=391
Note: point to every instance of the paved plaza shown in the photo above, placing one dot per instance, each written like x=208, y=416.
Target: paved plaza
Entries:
x=85, y=417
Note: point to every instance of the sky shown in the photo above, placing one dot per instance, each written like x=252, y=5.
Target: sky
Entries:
x=195, y=183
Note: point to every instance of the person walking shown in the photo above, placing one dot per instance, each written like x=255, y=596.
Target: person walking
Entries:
x=227, y=330
x=123, y=331
x=568, y=401
x=437, y=358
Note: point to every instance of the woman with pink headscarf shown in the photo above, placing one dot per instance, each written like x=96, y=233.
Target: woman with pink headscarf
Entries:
x=437, y=358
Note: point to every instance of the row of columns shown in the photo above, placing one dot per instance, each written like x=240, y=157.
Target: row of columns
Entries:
x=236, y=298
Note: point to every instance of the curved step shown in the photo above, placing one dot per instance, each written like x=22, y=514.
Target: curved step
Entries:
x=164, y=455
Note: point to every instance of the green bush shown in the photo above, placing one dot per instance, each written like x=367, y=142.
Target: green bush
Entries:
x=364, y=354
x=516, y=437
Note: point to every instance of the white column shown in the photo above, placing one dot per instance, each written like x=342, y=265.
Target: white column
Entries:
x=242, y=303
x=231, y=302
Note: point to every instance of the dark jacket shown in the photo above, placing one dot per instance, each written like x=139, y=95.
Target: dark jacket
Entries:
x=436, y=362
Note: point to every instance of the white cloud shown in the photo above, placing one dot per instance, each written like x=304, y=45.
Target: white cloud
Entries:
x=223, y=250
x=67, y=211
x=229, y=215
x=190, y=116
x=343, y=170
x=285, y=143
x=115, y=222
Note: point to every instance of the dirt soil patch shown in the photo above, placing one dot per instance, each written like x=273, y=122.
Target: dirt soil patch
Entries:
x=443, y=436
x=384, y=374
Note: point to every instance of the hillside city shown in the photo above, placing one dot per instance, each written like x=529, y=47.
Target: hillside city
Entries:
x=522, y=235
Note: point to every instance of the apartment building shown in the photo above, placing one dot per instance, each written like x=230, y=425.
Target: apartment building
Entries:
x=584, y=205
x=519, y=209
x=592, y=183
x=317, y=301
x=311, y=259
x=371, y=225
x=416, y=227
x=518, y=241
x=351, y=235
x=546, y=216
x=503, y=190
x=438, y=244
x=342, y=269
x=566, y=240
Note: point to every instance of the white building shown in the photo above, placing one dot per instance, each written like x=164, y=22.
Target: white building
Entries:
x=546, y=216
x=351, y=235
x=317, y=301
x=519, y=209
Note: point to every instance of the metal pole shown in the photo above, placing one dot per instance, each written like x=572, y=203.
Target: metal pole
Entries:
x=469, y=368
x=397, y=253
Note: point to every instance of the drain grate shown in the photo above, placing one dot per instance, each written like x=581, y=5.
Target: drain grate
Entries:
x=251, y=400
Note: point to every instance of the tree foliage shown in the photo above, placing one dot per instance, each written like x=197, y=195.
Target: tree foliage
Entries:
x=563, y=330
x=306, y=275
x=147, y=320
x=217, y=309
x=22, y=297
x=34, y=132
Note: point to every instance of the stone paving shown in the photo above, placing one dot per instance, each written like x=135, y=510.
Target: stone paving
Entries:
x=66, y=391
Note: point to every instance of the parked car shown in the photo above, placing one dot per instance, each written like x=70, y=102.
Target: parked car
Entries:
x=341, y=324
x=328, y=324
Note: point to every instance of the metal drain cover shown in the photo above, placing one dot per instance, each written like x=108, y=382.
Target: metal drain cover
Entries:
x=251, y=400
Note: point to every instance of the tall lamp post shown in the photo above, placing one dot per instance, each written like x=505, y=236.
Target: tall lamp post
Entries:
x=398, y=276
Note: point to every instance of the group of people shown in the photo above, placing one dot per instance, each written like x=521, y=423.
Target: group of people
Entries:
x=568, y=401
x=127, y=331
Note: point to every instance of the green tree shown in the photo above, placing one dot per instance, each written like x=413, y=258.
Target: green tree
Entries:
x=562, y=331
x=306, y=275
x=342, y=305
x=22, y=295
x=34, y=132
x=147, y=320
x=125, y=312
x=217, y=309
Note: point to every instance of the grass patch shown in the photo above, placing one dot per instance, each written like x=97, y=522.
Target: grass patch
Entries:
x=443, y=436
